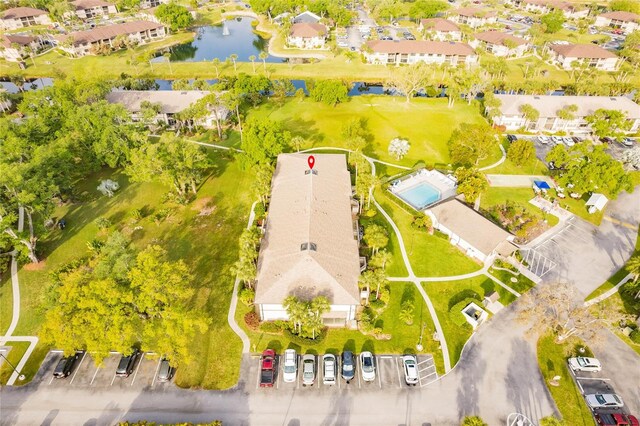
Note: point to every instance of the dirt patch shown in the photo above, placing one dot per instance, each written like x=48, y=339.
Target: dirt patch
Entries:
x=35, y=266
x=204, y=206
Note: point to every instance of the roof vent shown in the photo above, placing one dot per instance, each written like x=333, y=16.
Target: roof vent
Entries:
x=536, y=97
x=183, y=93
x=308, y=246
x=314, y=172
x=613, y=99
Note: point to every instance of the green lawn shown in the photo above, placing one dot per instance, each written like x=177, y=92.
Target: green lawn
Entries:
x=426, y=123
x=535, y=167
x=552, y=360
x=578, y=207
x=499, y=195
x=403, y=337
x=522, y=285
x=446, y=295
x=206, y=243
x=30, y=369
x=396, y=268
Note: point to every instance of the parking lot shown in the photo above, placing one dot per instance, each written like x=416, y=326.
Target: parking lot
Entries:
x=389, y=374
x=87, y=374
x=597, y=383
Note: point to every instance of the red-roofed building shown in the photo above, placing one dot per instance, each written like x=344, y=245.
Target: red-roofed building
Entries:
x=568, y=55
x=20, y=17
x=626, y=21
x=413, y=51
x=440, y=29
x=500, y=44
x=473, y=16
x=569, y=10
x=87, y=9
x=14, y=47
x=307, y=35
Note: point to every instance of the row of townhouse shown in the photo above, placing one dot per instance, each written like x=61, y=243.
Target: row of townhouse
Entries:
x=569, y=56
x=548, y=107
x=413, y=51
x=22, y=17
x=569, y=10
x=626, y=21
x=16, y=47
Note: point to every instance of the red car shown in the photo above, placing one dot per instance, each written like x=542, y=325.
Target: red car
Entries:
x=268, y=368
x=616, y=419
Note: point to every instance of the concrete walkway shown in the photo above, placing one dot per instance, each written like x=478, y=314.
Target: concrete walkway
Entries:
x=516, y=181
x=497, y=163
x=609, y=292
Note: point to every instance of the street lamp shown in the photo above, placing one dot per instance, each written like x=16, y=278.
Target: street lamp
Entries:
x=15, y=370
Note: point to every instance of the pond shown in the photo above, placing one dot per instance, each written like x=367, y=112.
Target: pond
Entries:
x=34, y=84
x=233, y=36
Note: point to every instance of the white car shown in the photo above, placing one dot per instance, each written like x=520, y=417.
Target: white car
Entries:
x=308, y=370
x=568, y=141
x=342, y=43
x=410, y=364
x=604, y=400
x=329, y=368
x=584, y=364
x=543, y=139
x=367, y=366
x=556, y=139
x=290, y=366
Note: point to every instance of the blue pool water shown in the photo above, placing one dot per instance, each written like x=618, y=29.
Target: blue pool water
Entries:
x=420, y=196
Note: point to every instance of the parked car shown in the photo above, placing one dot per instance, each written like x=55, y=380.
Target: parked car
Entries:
x=343, y=43
x=616, y=419
x=568, y=141
x=577, y=139
x=543, y=139
x=66, y=365
x=608, y=139
x=604, y=400
x=290, y=366
x=367, y=367
x=409, y=37
x=127, y=363
x=410, y=364
x=308, y=370
x=329, y=368
x=268, y=368
x=584, y=364
x=556, y=139
x=348, y=369
x=627, y=141
x=165, y=371
x=512, y=138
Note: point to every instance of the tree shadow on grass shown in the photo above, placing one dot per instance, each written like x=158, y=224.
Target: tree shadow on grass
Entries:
x=349, y=345
x=304, y=128
x=369, y=345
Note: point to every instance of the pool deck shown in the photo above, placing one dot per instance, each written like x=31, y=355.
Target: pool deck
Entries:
x=444, y=184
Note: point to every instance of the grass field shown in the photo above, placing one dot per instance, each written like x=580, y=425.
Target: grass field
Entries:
x=552, y=360
x=206, y=243
x=426, y=123
x=403, y=337
x=499, y=195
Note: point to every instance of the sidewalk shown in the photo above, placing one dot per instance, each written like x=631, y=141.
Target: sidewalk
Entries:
x=517, y=181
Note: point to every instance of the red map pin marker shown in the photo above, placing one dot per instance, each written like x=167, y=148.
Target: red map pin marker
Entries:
x=311, y=160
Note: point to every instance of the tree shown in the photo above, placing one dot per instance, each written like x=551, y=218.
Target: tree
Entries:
x=553, y=21
x=306, y=317
x=472, y=183
x=556, y=308
x=633, y=266
x=468, y=82
x=529, y=113
x=471, y=143
x=171, y=161
x=297, y=142
x=381, y=259
x=216, y=65
x=409, y=79
x=608, y=122
x=234, y=58
x=375, y=236
x=252, y=58
x=406, y=312
x=281, y=89
x=625, y=5
x=567, y=113
x=263, y=57
x=551, y=421
x=423, y=221
x=473, y=421
x=398, y=148
x=426, y=8
x=261, y=185
x=330, y=92
x=176, y=16
x=521, y=152
x=263, y=141
x=491, y=105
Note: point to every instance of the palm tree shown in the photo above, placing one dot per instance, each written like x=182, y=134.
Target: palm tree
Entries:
x=297, y=142
x=295, y=310
x=529, y=113
x=633, y=266
x=381, y=259
x=233, y=58
x=263, y=56
x=567, y=113
x=373, y=182
x=167, y=56
x=216, y=65
x=252, y=58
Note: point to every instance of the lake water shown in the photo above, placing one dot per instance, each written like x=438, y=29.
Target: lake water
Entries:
x=211, y=42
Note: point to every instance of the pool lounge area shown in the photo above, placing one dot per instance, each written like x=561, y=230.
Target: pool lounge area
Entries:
x=424, y=188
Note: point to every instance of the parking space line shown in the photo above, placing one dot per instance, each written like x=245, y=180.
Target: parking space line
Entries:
x=51, y=380
x=78, y=367
x=114, y=377
x=592, y=378
x=299, y=373
x=379, y=374
x=359, y=374
x=137, y=368
x=94, y=375
x=259, y=374
x=155, y=375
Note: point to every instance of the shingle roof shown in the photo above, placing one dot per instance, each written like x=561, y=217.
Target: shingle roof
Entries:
x=22, y=12
x=172, y=101
x=111, y=31
x=497, y=37
x=472, y=227
x=88, y=4
x=440, y=24
x=622, y=16
x=586, y=51
x=308, y=208
x=548, y=105
x=307, y=30
x=475, y=12
x=22, y=40
x=420, y=46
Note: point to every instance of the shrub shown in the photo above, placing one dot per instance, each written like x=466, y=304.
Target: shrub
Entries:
x=303, y=341
x=462, y=296
x=135, y=214
x=378, y=305
x=252, y=320
x=260, y=211
x=455, y=313
x=635, y=336
x=246, y=296
x=103, y=223
x=273, y=326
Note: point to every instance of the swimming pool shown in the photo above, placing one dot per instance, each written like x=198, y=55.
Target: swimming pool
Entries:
x=420, y=195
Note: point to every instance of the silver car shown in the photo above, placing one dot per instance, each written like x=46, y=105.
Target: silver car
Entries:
x=308, y=370
x=604, y=400
x=367, y=366
x=329, y=369
x=410, y=364
x=584, y=364
x=290, y=366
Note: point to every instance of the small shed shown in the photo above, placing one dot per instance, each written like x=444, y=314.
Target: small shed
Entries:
x=540, y=185
x=597, y=202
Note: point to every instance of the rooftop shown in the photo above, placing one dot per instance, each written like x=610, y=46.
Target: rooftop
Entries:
x=307, y=30
x=172, y=101
x=498, y=37
x=111, y=31
x=622, y=16
x=474, y=12
x=584, y=51
x=439, y=24
x=548, y=105
x=22, y=12
x=9, y=39
x=88, y=4
x=309, y=248
x=420, y=46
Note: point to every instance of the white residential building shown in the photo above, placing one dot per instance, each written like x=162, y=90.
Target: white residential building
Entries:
x=413, y=51
x=89, y=9
x=440, y=29
x=20, y=17
x=626, y=21
x=16, y=47
x=307, y=36
x=500, y=44
x=569, y=10
x=148, y=4
x=306, y=18
x=309, y=248
x=548, y=107
x=473, y=16
x=568, y=55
